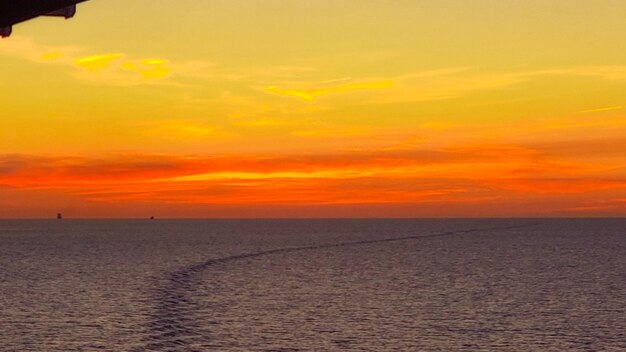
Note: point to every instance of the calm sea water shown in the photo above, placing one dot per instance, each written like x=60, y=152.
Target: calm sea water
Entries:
x=313, y=285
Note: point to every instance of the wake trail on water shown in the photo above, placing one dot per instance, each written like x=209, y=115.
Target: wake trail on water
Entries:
x=173, y=326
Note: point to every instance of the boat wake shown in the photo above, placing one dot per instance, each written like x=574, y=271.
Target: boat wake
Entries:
x=175, y=326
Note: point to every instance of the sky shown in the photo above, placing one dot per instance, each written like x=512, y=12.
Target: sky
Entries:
x=327, y=108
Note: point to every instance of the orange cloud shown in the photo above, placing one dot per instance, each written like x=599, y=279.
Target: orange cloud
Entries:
x=608, y=206
x=478, y=174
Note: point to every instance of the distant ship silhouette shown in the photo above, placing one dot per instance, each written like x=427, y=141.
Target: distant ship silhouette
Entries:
x=59, y=216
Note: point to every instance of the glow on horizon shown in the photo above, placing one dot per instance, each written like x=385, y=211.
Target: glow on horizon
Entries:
x=282, y=108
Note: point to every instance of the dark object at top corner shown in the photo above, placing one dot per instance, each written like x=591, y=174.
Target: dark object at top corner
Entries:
x=16, y=11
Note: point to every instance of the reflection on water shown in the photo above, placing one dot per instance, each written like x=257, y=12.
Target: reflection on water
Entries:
x=313, y=285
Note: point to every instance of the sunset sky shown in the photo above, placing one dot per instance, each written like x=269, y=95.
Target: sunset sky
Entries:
x=327, y=108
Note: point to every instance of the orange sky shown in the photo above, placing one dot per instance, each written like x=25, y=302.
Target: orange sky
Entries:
x=316, y=109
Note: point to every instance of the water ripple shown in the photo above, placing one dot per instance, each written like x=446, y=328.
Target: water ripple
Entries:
x=175, y=326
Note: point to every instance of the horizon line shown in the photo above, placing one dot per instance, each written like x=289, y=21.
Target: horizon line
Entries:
x=327, y=218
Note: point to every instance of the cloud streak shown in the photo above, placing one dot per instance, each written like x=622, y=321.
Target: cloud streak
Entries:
x=480, y=174
x=608, y=108
x=438, y=84
x=107, y=68
x=313, y=93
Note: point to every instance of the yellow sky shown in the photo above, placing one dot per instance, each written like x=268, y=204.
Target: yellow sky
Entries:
x=376, y=108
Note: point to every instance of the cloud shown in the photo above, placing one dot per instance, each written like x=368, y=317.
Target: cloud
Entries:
x=26, y=48
x=182, y=129
x=426, y=85
x=332, y=132
x=608, y=108
x=455, y=82
x=475, y=161
x=437, y=84
x=149, y=68
x=312, y=94
x=409, y=173
x=609, y=72
x=605, y=147
x=118, y=69
x=104, y=68
x=267, y=122
x=97, y=63
x=279, y=175
x=614, y=206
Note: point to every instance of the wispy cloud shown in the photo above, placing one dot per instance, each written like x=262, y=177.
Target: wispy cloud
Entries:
x=149, y=68
x=608, y=108
x=118, y=69
x=609, y=72
x=97, y=63
x=105, y=68
x=486, y=175
x=26, y=48
x=454, y=82
x=291, y=81
x=313, y=93
x=616, y=206
x=187, y=129
x=108, y=65
x=479, y=162
x=267, y=122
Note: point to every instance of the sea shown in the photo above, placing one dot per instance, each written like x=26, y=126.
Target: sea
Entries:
x=313, y=285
